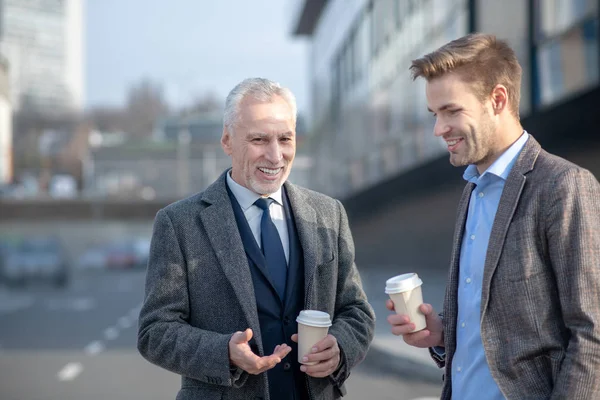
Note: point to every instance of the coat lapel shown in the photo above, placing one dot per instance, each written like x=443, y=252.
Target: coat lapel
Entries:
x=306, y=220
x=294, y=256
x=219, y=221
x=506, y=209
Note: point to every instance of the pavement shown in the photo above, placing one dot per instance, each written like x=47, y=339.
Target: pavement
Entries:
x=80, y=342
x=389, y=350
x=406, y=361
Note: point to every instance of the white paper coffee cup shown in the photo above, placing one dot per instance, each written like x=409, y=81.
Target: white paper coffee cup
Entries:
x=313, y=326
x=405, y=292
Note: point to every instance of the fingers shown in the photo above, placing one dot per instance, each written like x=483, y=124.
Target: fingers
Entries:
x=414, y=339
x=281, y=351
x=426, y=309
x=324, y=344
x=255, y=365
x=322, y=369
x=242, y=337
x=389, y=304
x=295, y=337
x=326, y=353
x=401, y=325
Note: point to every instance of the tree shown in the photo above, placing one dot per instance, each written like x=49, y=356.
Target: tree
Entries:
x=145, y=104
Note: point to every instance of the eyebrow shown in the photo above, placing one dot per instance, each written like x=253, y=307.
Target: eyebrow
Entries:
x=444, y=107
x=263, y=134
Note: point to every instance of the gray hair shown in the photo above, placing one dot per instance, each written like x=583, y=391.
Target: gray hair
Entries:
x=259, y=89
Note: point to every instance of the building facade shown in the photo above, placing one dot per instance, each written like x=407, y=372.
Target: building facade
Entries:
x=369, y=119
x=6, y=151
x=43, y=42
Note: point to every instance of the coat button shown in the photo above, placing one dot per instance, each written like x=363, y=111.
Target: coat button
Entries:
x=287, y=366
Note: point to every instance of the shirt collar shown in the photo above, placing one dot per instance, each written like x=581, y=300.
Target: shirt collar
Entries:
x=502, y=166
x=247, y=197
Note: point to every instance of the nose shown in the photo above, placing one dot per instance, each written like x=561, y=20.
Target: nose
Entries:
x=441, y=128
x=274, y=153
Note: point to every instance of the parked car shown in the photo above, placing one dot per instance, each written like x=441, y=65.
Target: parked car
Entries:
x=36, y=258
x=93, y=258
x=128, y=253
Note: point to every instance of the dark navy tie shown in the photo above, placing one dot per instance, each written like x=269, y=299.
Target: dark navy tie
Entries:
x=272, y=248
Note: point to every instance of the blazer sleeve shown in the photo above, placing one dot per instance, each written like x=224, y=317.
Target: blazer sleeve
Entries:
x=354, y=320
x=438, y=354
x=165, y=338
x=573, y=234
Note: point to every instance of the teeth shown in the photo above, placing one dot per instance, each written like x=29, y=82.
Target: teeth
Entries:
x=452, y=142
x=270, y=171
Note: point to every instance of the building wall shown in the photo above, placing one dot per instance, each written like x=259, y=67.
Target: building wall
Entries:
x=369, y=120
x=75, y=65
x=6, y=151
x=42, y=42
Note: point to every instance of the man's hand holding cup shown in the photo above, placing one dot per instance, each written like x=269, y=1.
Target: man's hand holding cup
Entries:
x=416, y=322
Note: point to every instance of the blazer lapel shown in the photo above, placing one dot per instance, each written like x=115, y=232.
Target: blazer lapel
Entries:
x=451, y=300
x=306, y=220
x=506, y=209
x=221, y=229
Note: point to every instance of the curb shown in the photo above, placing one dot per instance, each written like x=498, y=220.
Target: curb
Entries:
x=405, y=367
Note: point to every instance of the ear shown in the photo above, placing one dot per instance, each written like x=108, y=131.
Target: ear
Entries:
x=499, y=99
x=226, y=142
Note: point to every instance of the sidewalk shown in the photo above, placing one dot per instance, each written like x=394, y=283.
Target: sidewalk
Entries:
x=390, y=350
x=406, y=361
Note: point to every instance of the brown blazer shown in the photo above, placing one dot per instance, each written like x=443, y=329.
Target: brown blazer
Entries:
x=540, y=300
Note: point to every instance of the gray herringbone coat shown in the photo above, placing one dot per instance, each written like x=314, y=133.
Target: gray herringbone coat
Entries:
x=199, y=292
x=540, y=300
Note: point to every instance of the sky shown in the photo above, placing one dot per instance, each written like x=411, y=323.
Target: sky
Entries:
x=191, y=47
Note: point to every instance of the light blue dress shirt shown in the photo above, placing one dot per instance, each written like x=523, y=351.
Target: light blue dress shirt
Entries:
x=471, y=377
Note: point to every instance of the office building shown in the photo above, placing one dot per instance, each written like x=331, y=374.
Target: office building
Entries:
x=369, y=123
x=43, y=43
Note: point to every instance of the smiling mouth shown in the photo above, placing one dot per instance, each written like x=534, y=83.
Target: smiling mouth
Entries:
x=452, y=144
x=270, y=171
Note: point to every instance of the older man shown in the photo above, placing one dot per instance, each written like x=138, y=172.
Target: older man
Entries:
x=231, y=267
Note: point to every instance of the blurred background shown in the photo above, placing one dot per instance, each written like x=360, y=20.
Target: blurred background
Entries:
x=110, y=110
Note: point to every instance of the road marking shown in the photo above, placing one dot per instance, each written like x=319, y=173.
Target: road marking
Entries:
x=111, y=333
x=11, y=303
x=125, y=322
x=71, y=304
x=94, y=348
x=70, y=371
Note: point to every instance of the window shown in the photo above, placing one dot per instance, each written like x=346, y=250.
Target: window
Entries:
x=569, y=62
x=557, y=16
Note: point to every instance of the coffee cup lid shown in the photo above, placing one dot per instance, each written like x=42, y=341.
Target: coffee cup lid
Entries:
x=402, y=283
x=314, y=318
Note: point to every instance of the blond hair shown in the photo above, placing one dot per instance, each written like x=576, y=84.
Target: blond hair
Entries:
x=479, y=59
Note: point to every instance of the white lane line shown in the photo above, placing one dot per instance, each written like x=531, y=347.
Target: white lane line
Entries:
x=125, y=322
x=111, y=333
x=70, y=371
x=16, y=303
x=94, y=348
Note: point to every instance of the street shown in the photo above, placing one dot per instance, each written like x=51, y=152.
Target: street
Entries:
x=80, y=343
